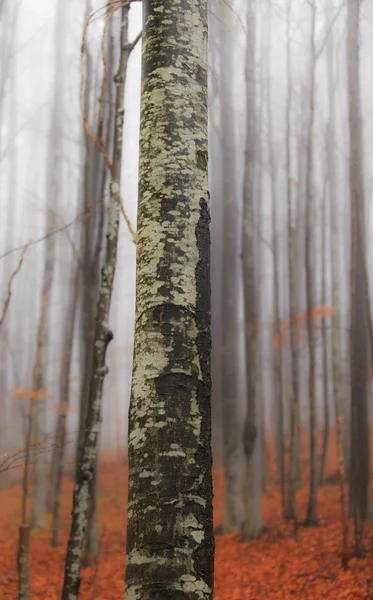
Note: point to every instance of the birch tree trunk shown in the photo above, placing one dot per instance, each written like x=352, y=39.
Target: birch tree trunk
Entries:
x=95, y=187
x=231, y=427
x=311, y=518
x=54, y=162
x=103, y=336
x=360, y=459
x=170, y=546
x=253, y=523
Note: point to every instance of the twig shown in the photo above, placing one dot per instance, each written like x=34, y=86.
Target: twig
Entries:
x=10, y=282
x=44, y=237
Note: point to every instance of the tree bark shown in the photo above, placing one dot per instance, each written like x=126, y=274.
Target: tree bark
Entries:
x=170, y=546
x=103, y=336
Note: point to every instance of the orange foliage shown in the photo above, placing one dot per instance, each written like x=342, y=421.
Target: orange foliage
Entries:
x=300, y=321
x=29, y=395
x=275, y=567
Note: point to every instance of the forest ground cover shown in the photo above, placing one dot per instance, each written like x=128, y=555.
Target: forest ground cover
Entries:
x=273, y=567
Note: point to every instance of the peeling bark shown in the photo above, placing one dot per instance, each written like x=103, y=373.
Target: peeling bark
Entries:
x=170, y=546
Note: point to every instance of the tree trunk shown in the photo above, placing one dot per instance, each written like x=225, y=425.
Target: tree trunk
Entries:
x=294, y=423
x=359, y=321
x=94, y=190
x=103, y=336
x=324, y=450
x=253, y=523
x=231, y=429
x=311, y=518
x=335, y=243
x=39, y=479
x=277, y=352
x=170, y=546
x=60, y=432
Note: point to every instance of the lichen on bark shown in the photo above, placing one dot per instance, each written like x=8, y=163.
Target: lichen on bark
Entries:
x=170, y=545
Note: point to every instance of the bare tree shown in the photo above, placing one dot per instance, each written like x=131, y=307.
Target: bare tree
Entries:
x=53, y=181
x=311, y=518
x=359, y=343
x=232, y=455
x=294, y=424
x=277, y=351
x=253, y=523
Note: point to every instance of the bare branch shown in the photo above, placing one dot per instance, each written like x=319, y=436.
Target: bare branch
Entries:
x=44, y=237
x=10, y=282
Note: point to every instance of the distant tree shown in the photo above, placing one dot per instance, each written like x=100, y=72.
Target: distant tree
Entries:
x=231, y=428
x=359, y=343
x=334, y=208
x=311, y=518
x=53, y=181
x=170, y=546
x=252, y=442
x=294, y=415
x=278, y=353
x=325, y=341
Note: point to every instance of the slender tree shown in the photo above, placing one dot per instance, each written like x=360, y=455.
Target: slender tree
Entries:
x=170, y=546
x=278, y=354
x=88, y=452
x=359, y=343
x=231, y=438
x=64, y=401
x=253, y=523
x=325, y=345
x=54, y=162
x=334, y=208
x=311, y=518
x=294, y=423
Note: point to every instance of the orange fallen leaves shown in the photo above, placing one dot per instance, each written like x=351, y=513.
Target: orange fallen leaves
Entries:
x=275, y=567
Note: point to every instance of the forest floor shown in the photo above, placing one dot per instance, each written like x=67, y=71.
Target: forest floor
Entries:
x=273, y=567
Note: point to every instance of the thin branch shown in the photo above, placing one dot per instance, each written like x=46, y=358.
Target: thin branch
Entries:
x=328, y=31
x=44, y=237
x=10, y=282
